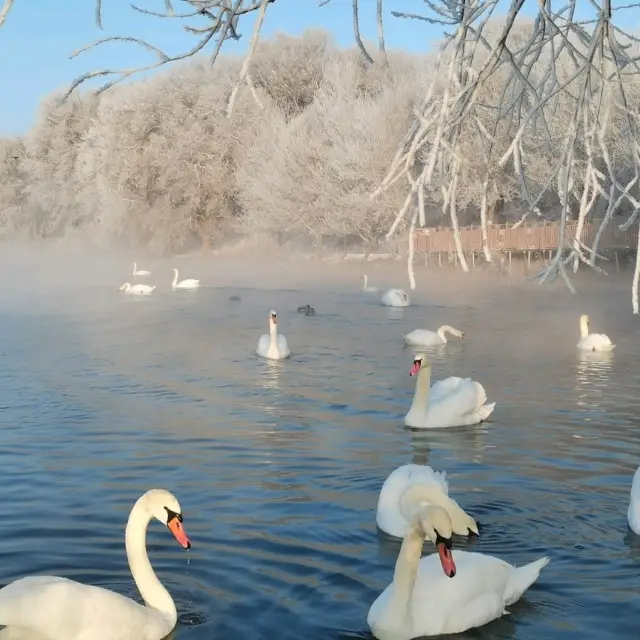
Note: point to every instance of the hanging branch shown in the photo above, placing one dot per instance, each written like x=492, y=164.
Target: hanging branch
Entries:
x=356, y=33
x=496, y=101
x=247, y=61
x=380, y=28
x=4, y=12
x=218, y=21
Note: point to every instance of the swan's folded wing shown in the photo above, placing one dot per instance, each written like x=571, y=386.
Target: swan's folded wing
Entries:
x=60, y=609
x=422, y=337
x=283, y=347
x=452, y=600
x=456, y=396
x=263, y=344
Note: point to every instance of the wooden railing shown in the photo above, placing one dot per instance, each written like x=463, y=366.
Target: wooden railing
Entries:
x=539, y=237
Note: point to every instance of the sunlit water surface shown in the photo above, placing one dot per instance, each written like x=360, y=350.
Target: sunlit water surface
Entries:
x=278, y=465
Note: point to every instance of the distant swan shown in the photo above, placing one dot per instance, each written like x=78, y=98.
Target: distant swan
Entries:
x=633, y=513
x=593, y=341
x=52, y=608
x=410, y=488
x=137, y=289
x=426, y=338
x=368, y=289
x=446, y=592
x=140, y=272
x=395, y=298
x=273, y=345
x=189, y=283
x=452, y=402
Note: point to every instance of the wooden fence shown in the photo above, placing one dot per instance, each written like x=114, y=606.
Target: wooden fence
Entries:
x=540, y=237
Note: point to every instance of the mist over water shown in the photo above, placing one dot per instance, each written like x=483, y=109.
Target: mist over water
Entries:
x=277, y=466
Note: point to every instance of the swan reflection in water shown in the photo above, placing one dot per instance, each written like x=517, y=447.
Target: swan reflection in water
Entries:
x=395, y=313
x=593, y=377
x=270, y=378
x=467, y=444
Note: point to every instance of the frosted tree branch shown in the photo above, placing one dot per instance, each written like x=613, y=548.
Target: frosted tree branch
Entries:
x=4, y=12
x=495, y=105
x=247, y=61
x=216, y=20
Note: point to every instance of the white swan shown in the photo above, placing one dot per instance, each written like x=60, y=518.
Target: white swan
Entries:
x=395, y=298
x=366, y=288
x=53, y=608
x=140, y=272
x=593, y=341
x=452, y=402
x=410, y=488
x=447, y=592
x=633, y=513
x=273, y=345
x=189, y=283
x=137, y=289
x=426, y=338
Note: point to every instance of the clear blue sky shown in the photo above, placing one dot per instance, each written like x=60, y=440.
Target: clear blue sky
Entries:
x=39, y=36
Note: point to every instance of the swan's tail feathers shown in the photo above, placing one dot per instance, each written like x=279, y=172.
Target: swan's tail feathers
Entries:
x=522, y=578
x=486, y=410
x=152, y=288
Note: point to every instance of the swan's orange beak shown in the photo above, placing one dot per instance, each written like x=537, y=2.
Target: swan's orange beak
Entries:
x=416, y=367
x=446, y=558
x=175, y=526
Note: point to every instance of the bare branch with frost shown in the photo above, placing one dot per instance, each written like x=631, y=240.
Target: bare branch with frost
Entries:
x=217, y=21
x=4, y=12
x=541, y=106
x=247, y=61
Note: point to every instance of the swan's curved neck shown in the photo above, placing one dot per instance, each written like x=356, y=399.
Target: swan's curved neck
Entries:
x=421, y=395
x=135, y=268
x=175, y=278
x=442, y=330
x=405, y=574
x=364, y=286
x=273, y=333
x=413, y=499
x=584, y=327
x=153, y=593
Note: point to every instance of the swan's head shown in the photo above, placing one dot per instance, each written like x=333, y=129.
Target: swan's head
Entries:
x=419, y=360
x=436, y=525
x=175, y=271
x=164, y=506
x=584, y=318
x=273, y=317
x=125, y=286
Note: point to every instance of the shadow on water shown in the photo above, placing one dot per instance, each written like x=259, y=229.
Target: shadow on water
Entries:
x=278, y=465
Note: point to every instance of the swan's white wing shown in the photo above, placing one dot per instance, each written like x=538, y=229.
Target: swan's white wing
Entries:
x=422, y=337
x=597, y=342
x=263, y=345
x=442, y=605
x=454, y=400
x=388, y=515
x=62, y=609
x=283, y=347
x=482, y=587
x=633, y=512
x=472, y=598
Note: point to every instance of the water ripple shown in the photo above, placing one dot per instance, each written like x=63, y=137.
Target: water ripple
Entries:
x=278, y=465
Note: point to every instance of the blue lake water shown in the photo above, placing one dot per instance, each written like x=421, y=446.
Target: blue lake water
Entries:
x=278, y=465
